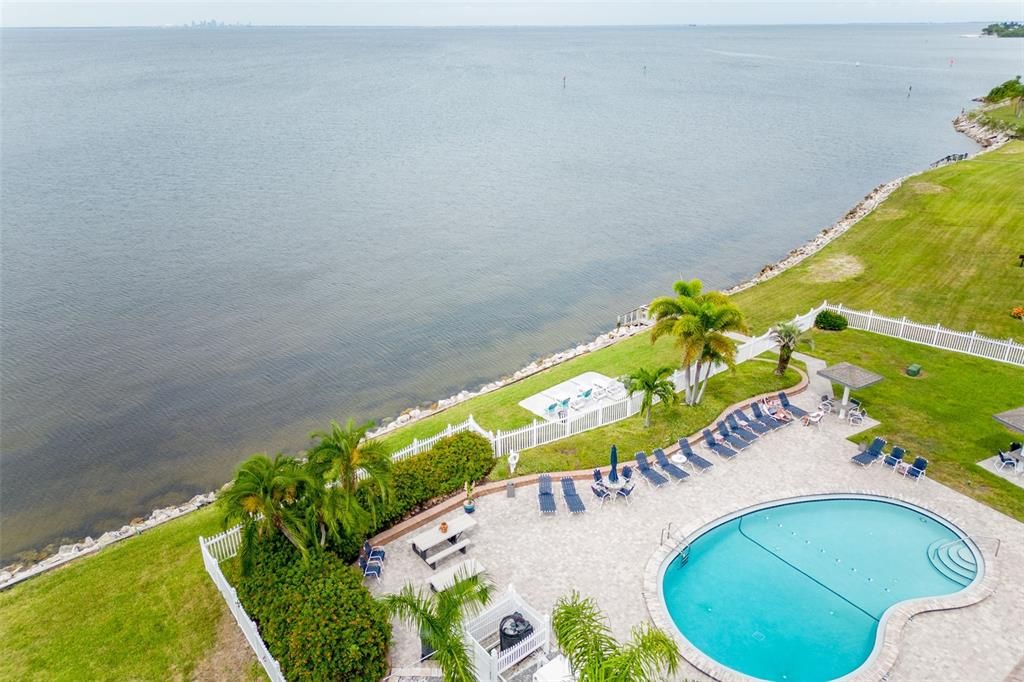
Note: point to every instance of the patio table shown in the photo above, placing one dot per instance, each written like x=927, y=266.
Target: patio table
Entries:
x=429, y=539
x=679, y=458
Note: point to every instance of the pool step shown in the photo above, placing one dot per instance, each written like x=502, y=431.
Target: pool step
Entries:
x=954, y=560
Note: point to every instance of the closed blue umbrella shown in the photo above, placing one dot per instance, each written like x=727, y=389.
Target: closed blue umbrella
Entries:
x=614, y=475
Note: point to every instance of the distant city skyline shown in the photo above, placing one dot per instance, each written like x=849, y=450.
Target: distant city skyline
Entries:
x=32, y=13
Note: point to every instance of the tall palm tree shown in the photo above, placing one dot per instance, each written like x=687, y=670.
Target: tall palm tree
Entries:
x=338, y=456
x=440, y=617
x=788, y=336
x=595, y=655
x=266, y=497
x=652, y=382
x=699, y=321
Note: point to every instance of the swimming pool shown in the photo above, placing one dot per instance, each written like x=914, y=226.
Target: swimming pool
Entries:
x=796, y=591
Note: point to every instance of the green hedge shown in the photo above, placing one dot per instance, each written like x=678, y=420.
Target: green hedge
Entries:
x=827, y=319
x=318, y=619
x=438, y=472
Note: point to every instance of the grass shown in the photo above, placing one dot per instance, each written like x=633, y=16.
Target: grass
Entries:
x=500, y=409
x=1004, y=117
x=945, y=415
x=943, y=248
x=143, y=609
x=591, y=448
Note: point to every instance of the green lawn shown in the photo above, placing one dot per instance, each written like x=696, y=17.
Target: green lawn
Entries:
x=143, y=609
x=1005, y=117
x=500, y=409
x=945, y=415
x=942, y=249
x=591, y=448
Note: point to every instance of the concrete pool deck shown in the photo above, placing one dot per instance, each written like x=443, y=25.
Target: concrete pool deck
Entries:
x=603, y=553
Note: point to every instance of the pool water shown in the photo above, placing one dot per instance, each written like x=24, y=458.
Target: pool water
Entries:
x=796, y=591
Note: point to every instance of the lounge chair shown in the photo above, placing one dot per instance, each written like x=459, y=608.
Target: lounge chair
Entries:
x=652, y=476
x=668, y=467
x=748, y=435
x=871, y=455
x=373, y=552
x=797, y=412
x=369, y=569
x=552, y=410
x=545, y=498
x=572, y=498
x=600, y=492
x=720, y=450
x=738, y=419
x=916, y=470
x=699, y=463
x=735, y=442
x=894, y=458
x=766, y=418
x=625, y=491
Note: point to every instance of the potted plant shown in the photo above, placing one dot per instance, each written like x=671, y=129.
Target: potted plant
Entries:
x=469, y=506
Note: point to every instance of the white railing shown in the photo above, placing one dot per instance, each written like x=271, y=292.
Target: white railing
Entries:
x=485, y=626
x=637, y=315
x=935, y=336
x=220, y=544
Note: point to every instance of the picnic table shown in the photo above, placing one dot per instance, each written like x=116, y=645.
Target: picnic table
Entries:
x=432, y=538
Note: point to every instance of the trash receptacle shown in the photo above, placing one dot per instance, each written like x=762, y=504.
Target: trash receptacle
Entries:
x=510, y=489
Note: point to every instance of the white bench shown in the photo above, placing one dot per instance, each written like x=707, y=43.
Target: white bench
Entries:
x=459, y=546
x=442, y=580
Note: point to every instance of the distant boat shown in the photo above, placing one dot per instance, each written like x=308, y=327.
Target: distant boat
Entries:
x=857, y=64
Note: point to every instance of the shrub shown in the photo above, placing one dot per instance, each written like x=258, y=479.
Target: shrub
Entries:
x=440, y=471
x=827, y=319
x=1010, y=88
x=318, y=619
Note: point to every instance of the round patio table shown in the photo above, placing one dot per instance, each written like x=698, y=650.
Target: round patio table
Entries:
x=678, y=458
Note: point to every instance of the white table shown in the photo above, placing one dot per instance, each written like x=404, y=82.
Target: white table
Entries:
x=679, y=458
x=428, y=539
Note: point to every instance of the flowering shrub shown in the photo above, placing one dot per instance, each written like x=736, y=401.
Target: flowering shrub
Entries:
x=1018, y=313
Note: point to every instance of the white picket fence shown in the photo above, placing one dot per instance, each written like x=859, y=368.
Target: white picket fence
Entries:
x=483, y=628
x=216, y=549
x=935, y=336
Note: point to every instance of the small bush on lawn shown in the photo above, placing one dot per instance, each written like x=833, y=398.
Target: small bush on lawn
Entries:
x=318, y=619
x=829, y=320
x=440, y=471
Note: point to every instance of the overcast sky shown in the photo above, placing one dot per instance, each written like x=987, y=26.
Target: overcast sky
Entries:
x=505, y=12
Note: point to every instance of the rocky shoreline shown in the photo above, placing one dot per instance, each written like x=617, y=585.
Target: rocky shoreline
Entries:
x=986, y=137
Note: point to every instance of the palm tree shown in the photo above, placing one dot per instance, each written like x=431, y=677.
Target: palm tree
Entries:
x=788, y=336
x=699, y=322
x=337, y=457
x=266, y=497
x=652, y=383
x=584, y=637
x=439, y=618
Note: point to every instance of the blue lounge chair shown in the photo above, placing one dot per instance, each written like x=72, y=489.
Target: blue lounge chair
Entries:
x=572, y=498
x=735, y=442
x=916, y=470
x=652, y=476
x=600, y=492
x=748, y=435
x=625, y=491
x=766, y=418
x=871, y=455
x=699, y=463
x=720, y=450
x=797, y=412
x=893, y=459
x=737, y=418
x=668, y=467
x=371, y=569
x=545, y=498
x=373, y=552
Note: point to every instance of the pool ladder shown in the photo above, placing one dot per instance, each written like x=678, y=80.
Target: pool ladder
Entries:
x=682, y=544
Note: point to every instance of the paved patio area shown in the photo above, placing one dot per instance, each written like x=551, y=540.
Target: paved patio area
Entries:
x=1009, y=473
x=567, y=391
x=603, y=553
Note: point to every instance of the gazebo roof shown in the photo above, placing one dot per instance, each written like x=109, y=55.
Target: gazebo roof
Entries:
x=849, y=375
x=1012, y=418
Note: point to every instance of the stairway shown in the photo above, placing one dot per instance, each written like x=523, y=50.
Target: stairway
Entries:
x=954, y=560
